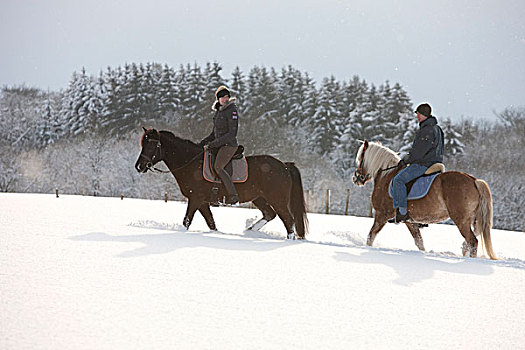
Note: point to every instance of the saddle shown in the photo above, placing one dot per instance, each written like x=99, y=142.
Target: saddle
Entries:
x=419, y=187
x=237, y=167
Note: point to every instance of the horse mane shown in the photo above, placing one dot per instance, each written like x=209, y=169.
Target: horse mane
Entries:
x=171, y=137
x=377, y=157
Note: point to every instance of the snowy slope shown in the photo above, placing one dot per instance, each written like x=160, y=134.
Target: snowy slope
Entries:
x=101, y=273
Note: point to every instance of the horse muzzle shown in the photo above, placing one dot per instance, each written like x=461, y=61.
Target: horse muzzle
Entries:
x=142, y=168
x=359, y=179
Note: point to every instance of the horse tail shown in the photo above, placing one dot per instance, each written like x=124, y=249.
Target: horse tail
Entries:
x=483, y=221
x=297, y=204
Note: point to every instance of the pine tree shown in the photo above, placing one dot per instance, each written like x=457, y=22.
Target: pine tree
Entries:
x=50, y=128
x=368, y=113
x=261, y=102
x=398, y=114
x=351, y=124
x=238, y=85
x=325, y=120
x=74, y=107
x=453, y=144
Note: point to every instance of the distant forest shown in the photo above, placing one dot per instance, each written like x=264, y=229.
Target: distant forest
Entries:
x=85, y=139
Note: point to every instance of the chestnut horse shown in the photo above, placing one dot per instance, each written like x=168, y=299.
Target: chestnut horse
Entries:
x=274, y=187
x=455, y=195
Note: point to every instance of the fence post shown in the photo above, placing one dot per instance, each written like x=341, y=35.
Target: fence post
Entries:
x=327, y=210
x=166, y=197
x=56, y=191
x=347, y=200
x=121, y=197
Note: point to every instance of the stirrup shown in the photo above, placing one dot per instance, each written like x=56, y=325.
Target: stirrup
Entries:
x=233, y=199
x=399, y=218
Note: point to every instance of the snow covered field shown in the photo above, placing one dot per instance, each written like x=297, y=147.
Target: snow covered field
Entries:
x=101, y=273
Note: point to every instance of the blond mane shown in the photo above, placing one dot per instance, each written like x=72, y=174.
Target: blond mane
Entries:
x=377, y=157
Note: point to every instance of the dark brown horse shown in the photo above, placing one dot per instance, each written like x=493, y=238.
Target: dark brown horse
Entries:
x=273, y=186
x=455, y=195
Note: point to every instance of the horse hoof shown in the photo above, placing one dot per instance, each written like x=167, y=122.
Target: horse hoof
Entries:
x=257, y=225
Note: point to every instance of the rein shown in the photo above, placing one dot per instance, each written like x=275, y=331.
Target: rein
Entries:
x=159, y=145
x=191, y=160
x=390, y=168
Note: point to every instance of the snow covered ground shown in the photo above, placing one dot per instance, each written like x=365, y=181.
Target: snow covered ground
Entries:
x=101, y=273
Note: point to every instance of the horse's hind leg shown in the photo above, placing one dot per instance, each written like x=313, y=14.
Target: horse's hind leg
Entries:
x=471, y=242
x=267, y=211
x=287, y=218
x=206, y=213
x=416, y=234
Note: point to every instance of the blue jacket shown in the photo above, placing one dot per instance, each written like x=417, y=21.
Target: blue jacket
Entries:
x=225, y=125
x=428, y=144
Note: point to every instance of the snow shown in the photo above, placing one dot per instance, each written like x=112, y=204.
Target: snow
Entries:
x=103, y=273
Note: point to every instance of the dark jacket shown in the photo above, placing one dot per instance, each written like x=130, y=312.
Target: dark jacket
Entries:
x=428, y=145
x=225, y=124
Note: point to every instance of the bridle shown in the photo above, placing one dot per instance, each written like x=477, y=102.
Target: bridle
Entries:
x=158, y=150
x=151, y=161
x=359, y=174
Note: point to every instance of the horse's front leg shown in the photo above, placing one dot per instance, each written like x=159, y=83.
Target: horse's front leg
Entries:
x=192, y=207
x=416, y=234
x=379, y=223
x=206, y=213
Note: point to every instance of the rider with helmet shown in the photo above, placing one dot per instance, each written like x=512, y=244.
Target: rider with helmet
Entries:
x=223, y=138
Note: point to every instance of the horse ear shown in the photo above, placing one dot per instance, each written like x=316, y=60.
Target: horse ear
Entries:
x=144, y=129
x=365, y=144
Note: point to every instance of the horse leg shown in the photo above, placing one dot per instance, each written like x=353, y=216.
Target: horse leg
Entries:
x=267, y=211
x=192, y=207
x=416, y=234
x=206, y=213
x=379, y=223
x=287, y=218
x=471, y=242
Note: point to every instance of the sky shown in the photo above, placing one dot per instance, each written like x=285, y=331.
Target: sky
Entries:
x=466, y=58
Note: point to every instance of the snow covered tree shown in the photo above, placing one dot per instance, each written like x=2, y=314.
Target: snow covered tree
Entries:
x=238, y=85
x=324, y=122
x=453, y=144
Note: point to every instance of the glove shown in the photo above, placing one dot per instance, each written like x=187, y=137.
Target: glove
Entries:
x=401, y=163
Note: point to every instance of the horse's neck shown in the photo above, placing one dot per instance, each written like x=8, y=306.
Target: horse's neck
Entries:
x=177, y=153
x=384, y=177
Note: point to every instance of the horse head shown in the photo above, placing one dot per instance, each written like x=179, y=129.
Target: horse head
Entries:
x=151, y=150
x=361, y=177
x=371, y=158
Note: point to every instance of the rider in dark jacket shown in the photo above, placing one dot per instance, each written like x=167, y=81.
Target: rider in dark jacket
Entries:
x=426, y=150
x=224, y=138
x=427, y=147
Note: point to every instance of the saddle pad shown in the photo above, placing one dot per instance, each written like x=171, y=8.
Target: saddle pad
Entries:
x=237, y=168
x=420, y=187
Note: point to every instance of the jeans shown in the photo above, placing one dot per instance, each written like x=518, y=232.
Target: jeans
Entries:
x=399, y=189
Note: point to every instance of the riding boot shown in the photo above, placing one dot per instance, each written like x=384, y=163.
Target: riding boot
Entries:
x=232, y=196
x=399, y=217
